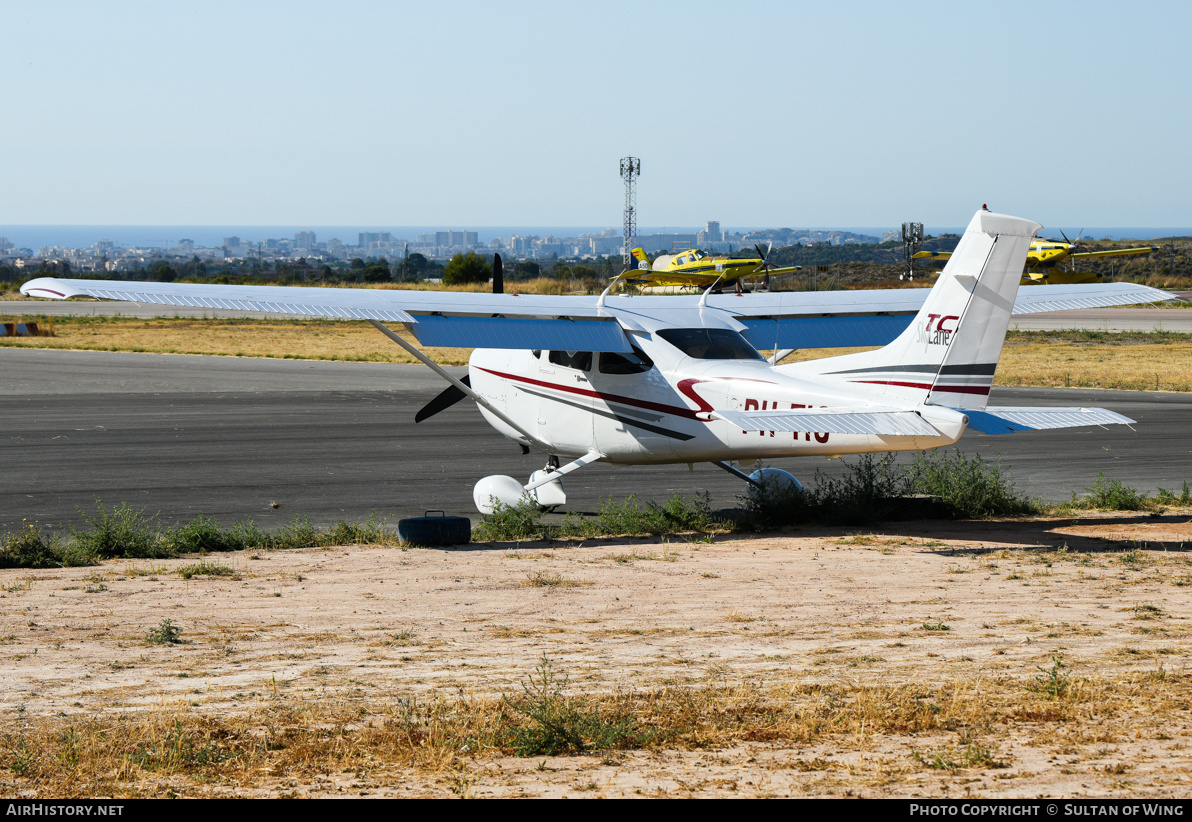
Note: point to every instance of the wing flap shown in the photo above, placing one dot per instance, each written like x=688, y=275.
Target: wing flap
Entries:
x=892, y=422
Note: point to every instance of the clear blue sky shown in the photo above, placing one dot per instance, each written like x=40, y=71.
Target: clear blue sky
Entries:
x=516, y=113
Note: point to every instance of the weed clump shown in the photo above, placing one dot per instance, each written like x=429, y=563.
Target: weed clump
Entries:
x=554, y=723
x=511, y=522
x=631, y=517
x=628, y=518
x=1052, y=682
x=971, y=488
x=876, y=489
x=166, y=633
x=1112, y=495
x=29, y=548
x=123, y=532
x=209, y=569
x=128, y=533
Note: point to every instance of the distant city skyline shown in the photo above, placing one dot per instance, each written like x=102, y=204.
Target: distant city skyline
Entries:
x=460, y=114
x=168, y=236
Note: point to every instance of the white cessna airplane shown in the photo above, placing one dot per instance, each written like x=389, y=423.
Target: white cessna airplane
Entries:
x=653, y=379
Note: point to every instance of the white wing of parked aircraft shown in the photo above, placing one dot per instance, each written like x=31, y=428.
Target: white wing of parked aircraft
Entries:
x=679, y=379
x=822, y=319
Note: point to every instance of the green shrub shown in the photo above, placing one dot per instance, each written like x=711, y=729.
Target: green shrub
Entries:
x=511, y=522
x=971, y=488
x=124, y=532
x=1111, y=495
x=1169, y=498
x=166, y=633
x=868, y=493
x=29, y=548
x=201, y=534
x=369, y=532
x=632, y=518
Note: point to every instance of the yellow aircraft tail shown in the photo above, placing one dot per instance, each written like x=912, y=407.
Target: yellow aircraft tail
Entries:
x=643, y=262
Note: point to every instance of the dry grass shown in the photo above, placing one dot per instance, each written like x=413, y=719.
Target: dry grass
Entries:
x=315, y=339
x=1116, y=361
x=1121, y=361
x=798, y=731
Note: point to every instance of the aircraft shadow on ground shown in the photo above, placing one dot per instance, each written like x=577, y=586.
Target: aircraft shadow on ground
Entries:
x=1050, y=534
x=1040, y=535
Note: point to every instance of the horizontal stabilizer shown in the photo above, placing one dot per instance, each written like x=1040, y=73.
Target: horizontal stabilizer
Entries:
x=1067, y=297
x=892, y=422
x=1006, y=420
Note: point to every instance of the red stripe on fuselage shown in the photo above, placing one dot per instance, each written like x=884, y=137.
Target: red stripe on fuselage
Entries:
x=584, y=392
x=951, y=389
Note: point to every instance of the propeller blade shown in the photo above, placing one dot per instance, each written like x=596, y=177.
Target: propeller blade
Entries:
x=447, y=398
x=498, y=275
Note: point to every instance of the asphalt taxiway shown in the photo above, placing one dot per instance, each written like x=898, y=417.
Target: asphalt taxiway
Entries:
x=240, y=438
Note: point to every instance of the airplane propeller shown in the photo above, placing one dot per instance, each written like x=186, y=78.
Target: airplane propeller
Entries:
x=448, y=397
x=765, y=264
x=498, y=275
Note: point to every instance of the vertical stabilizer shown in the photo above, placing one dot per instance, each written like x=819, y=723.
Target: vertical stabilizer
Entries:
x=949, y=352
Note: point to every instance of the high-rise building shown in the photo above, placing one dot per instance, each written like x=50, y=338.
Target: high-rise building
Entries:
x=304, y=239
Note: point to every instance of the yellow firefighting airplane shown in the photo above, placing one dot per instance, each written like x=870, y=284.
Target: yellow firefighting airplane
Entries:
x=1044, y=258
x=697, y=268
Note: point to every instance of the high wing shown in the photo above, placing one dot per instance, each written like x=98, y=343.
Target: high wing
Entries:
x=1116, y=252
x=1038, y=246
x=824, y=319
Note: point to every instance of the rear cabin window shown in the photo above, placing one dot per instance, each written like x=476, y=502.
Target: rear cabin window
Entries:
x=710, y=343
x=581, y=360
x=633, y=363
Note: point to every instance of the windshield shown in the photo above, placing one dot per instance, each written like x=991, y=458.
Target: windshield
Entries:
x=710, y=343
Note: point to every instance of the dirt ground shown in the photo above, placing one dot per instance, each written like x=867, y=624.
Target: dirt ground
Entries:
x=920, y=603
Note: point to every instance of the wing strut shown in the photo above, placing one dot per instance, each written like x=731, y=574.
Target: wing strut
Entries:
x=467, y=389
x=737, y=473
x=591, y=456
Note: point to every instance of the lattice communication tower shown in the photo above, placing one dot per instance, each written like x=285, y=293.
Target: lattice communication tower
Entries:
x=631, y=169
x=912, y=238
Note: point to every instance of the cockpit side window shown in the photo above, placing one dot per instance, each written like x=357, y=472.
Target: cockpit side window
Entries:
x=635, y=362
x=710, y=343
x=581, y=360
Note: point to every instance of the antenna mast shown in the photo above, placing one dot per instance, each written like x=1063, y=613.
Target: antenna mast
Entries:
x=631, y=168
x=912, y=239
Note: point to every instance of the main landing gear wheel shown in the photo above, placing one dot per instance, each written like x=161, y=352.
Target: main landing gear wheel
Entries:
x=509, y=492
